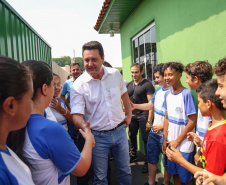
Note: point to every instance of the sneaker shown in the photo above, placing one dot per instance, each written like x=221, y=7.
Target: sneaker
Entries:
x=133, y=159
x=145, y=168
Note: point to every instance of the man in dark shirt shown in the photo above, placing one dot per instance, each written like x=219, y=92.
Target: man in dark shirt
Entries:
x=140, y=91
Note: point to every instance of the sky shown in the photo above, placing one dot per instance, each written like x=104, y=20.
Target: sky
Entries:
x=66, y=25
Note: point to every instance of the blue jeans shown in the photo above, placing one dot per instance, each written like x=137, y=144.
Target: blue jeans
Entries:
x=117, y=141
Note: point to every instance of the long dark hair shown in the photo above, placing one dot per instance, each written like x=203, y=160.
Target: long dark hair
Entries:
x=41, y=74
x=13, y=79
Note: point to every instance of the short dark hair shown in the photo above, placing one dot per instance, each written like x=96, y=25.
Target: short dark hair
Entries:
x=202, y=69
x=207, y=90
x=42, y=74
x=107, y=64
x=93, y=45
x=158, y=68
x=177, y=66
x=14, y=79
x=68, y=77
x=74, y=64
x=54, y=74
x=137, y=65
x=220, y=67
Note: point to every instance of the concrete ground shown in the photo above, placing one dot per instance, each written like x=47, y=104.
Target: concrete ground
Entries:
x=138, y=178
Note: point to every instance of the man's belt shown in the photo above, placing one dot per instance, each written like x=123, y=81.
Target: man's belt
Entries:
x=120, y=124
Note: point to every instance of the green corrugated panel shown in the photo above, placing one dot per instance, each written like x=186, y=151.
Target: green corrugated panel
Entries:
x=18, y=39
x=2, y=31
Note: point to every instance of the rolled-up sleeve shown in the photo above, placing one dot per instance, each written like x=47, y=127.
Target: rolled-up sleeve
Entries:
x=77, y=101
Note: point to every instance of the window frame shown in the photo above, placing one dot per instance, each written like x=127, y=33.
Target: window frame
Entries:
x=137, y=36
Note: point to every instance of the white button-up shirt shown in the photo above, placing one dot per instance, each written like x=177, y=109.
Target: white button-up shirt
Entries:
x=99, y=100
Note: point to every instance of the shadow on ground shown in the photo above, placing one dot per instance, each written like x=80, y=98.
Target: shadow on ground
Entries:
x=138, y=178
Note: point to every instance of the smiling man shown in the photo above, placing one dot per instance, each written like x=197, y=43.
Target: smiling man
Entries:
x=140, y=91
x=76, y=71
x=95, y=97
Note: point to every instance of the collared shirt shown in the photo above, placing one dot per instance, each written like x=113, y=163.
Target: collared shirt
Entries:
x=99, y=100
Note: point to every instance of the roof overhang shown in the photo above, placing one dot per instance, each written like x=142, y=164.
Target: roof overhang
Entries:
x=114, y=13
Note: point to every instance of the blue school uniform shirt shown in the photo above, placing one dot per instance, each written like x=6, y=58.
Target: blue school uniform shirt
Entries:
x=179, y=106
x=12, y=170
x=50, y=151
x=67, y=88
x=58, y=116
x=159, y=112
x=202, y=125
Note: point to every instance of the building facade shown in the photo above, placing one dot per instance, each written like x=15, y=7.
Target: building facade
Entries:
x=160, y=31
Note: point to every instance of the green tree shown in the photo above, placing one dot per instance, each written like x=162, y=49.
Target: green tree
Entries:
x=80, y=61
x=65, y=60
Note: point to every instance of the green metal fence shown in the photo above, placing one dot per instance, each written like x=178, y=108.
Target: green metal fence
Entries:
x=18, y=39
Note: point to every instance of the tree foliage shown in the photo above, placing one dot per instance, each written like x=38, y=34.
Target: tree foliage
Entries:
x=66, y=60
x=80, y=61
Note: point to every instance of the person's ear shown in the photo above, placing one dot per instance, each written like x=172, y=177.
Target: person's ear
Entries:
x=196, y=80
x=180, y=75
x=209, y=104
x=10, y=106
x=44, y=89
x=102, y=59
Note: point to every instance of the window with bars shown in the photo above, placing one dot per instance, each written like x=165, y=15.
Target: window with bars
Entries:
x=144, y=50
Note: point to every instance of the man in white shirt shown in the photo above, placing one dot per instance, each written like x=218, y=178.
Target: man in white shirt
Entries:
x=95, y=97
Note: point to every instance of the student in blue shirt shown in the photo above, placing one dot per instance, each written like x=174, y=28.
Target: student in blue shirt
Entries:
x=45, y=145
x=15, y=97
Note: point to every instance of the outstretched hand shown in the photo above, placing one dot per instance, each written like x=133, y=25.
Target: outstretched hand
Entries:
x=191, y=136
x=87, y=135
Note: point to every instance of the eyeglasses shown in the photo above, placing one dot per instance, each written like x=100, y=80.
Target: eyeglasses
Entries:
x=57, y=85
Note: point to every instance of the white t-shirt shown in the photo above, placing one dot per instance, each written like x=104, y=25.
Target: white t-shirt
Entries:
x=50, y=151
x=179, y=106
x=55, y=115
x=12, y=170
x=159, y=112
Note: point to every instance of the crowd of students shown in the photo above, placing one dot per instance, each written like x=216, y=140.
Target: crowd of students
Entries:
x=30, y=144
x=175, y=120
